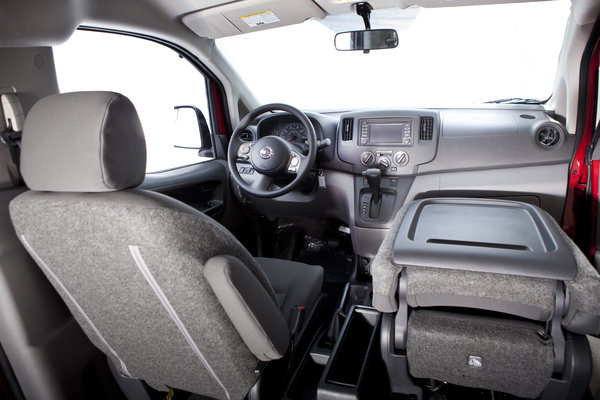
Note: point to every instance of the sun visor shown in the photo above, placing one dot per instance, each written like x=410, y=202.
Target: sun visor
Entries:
x=249, y=16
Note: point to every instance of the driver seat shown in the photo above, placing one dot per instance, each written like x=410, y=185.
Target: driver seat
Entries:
x=168, y=294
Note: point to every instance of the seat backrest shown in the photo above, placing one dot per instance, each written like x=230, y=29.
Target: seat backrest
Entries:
x=128, y=263
x=524, y=296
x=456, y=271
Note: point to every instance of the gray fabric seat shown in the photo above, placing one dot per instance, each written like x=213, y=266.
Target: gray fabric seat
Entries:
x=451, y=335
x=166, y=292
x=531, y=298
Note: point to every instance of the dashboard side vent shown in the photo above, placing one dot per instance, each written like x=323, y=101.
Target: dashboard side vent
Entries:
x=247, y=136
x=549, y=135
x=426, y=129
x=347, y=124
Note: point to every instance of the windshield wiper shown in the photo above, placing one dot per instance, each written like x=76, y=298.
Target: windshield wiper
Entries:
x=516, y=100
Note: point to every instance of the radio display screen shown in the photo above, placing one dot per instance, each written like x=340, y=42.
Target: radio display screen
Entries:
x=390, y=132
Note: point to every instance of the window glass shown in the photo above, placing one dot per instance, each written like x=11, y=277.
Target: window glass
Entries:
x=155, y=78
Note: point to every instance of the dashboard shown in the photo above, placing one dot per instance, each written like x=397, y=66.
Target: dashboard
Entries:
x=392, y=141
x=519, y=152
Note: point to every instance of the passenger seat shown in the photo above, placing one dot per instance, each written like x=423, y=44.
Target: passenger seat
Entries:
x=488, y=294
x=47, y=350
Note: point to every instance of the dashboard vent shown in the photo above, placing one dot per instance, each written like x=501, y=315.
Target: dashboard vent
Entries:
x=247, y=136
x=549, y=135
x=426, y=131
x=347, y=124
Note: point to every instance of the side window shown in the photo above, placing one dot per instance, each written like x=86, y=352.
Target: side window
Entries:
x=158, y=82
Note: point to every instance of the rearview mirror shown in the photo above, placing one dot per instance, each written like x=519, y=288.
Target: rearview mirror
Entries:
x=366, y=40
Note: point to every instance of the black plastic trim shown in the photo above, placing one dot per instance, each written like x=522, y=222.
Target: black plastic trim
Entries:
x=482, y=235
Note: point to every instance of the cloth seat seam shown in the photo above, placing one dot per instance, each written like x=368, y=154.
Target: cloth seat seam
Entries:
x=143, y=268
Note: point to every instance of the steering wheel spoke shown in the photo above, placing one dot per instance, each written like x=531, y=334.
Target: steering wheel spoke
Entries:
x=296, y=161
x=262, y=182
x=243, y=152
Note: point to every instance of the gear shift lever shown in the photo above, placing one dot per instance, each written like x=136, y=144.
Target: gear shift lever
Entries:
x=373, y=176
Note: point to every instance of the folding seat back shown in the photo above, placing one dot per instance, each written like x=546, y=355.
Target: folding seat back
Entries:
x=485, y=293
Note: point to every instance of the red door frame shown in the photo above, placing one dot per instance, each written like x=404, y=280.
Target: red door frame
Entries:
x=582, y=194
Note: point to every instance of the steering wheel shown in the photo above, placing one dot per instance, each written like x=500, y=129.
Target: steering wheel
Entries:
x=271, y=156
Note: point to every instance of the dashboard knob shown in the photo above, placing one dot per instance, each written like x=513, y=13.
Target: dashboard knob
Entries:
x=367, y=158
x=401, y=158
x=384, y=163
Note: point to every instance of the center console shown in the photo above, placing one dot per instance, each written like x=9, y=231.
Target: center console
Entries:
x=396, y=142
x=384, y=150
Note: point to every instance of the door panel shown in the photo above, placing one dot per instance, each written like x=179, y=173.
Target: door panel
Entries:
x=202, y=186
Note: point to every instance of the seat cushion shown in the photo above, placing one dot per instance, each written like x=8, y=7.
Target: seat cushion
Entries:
x=294, y=283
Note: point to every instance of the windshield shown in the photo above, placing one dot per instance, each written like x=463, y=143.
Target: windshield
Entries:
x=452, y=56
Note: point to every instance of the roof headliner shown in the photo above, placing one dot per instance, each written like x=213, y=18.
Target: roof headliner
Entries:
x=44, y=23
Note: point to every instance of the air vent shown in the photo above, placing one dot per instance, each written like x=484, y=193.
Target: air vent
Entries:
x=247, y=136
x=426, y=131
x=549, y=136
x=347, y=124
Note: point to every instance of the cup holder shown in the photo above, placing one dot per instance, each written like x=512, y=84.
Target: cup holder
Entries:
x=347, y=367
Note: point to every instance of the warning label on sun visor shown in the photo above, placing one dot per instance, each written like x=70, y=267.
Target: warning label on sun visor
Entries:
x=263, y=18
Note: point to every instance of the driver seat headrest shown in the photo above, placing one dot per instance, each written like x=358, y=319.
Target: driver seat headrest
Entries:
x=83, y=142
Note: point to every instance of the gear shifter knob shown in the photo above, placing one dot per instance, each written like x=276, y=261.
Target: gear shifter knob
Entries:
x=373, y=176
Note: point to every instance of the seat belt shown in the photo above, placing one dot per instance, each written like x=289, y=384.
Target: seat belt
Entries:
x=11, y=124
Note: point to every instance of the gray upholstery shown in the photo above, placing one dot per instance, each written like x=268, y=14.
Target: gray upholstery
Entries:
x=93, y=138
x=525, y=297
x=295, y=284
x=249, y=306
x=130, y=264
x=84, y=240
x=531, y=298
x=385, y=274
x=36, y=326
x=514, y=359
x=583, y=315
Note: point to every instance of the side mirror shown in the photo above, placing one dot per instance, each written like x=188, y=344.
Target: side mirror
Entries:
x=191, y=131
x=367, y=40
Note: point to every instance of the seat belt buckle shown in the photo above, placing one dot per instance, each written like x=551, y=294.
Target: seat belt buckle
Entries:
x=296, y=318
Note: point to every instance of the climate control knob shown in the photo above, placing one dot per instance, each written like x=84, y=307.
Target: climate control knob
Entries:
x=384, y=163
x=367, y=158
x=401, y=158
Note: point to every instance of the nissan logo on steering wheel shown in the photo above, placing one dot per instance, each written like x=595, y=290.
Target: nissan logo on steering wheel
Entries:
x=266, y=152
